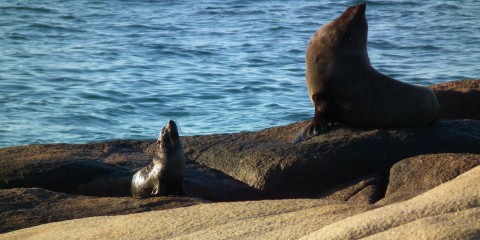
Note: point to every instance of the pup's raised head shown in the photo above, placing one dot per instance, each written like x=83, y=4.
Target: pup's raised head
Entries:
x=169, y=139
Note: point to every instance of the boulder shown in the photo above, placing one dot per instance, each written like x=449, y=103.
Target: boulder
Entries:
x=413, y=176
x=268, y=161
x=449, y=211
x=458, y=99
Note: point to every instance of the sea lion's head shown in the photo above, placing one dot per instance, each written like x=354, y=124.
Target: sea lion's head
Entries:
x=169, y=135
x=168, y=141
x=336, y=47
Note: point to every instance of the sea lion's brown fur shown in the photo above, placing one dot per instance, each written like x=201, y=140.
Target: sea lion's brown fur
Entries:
x=345, y=88
x=166, y=173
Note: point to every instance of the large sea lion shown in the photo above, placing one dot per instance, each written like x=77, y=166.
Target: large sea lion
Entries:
x=166, y=173
x=345, y=88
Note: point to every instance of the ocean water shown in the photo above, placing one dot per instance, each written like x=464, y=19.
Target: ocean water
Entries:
x=91, y=70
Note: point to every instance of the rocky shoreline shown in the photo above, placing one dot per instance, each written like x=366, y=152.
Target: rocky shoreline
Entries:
x=345, y=183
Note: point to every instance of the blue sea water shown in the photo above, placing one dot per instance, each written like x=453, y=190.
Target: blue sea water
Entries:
x=91, y=70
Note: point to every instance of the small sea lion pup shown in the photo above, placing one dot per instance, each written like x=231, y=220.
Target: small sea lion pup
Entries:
x=164, y=176
x=345, y=88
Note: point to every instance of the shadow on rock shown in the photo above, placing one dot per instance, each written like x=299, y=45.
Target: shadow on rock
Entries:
x=106, y=170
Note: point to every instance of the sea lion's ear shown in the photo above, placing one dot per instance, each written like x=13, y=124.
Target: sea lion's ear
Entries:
x=318, y=123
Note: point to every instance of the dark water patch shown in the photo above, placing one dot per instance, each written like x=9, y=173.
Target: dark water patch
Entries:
x=296, y=51
x=401, y=4
x=211, y=96
x=279, y=28
x=50, y=27
x=253, y=89
x=12, y=87
x=447, y=6
x=200, y=52
x=140, y=27
x=421, y=47
x=68, y=17
x=258, y=61
x=17, y=36
x=95, y=96
x=38, y=9
x=382, y=44
x=272, y=105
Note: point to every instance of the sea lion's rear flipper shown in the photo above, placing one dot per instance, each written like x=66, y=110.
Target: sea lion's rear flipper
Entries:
x=316, y=126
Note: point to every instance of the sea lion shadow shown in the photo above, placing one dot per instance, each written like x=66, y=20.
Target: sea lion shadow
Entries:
x=200, y=181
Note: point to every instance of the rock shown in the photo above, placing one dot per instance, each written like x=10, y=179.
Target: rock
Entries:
x=458, y=99
x=239, y=166
x=268, y=161
x=288, y=219
x=452, y=225
x=413, y=176
x=105, y=169
x=27, y=207
x=450, y=210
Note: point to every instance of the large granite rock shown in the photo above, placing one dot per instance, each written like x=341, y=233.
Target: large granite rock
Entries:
x=449, y=211
x=268, y=161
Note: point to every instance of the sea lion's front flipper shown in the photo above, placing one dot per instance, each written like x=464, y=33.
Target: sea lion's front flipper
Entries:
x=315, y=127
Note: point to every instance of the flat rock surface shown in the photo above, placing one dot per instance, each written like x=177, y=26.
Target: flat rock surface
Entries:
x=26, y=207
x=457, y=201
